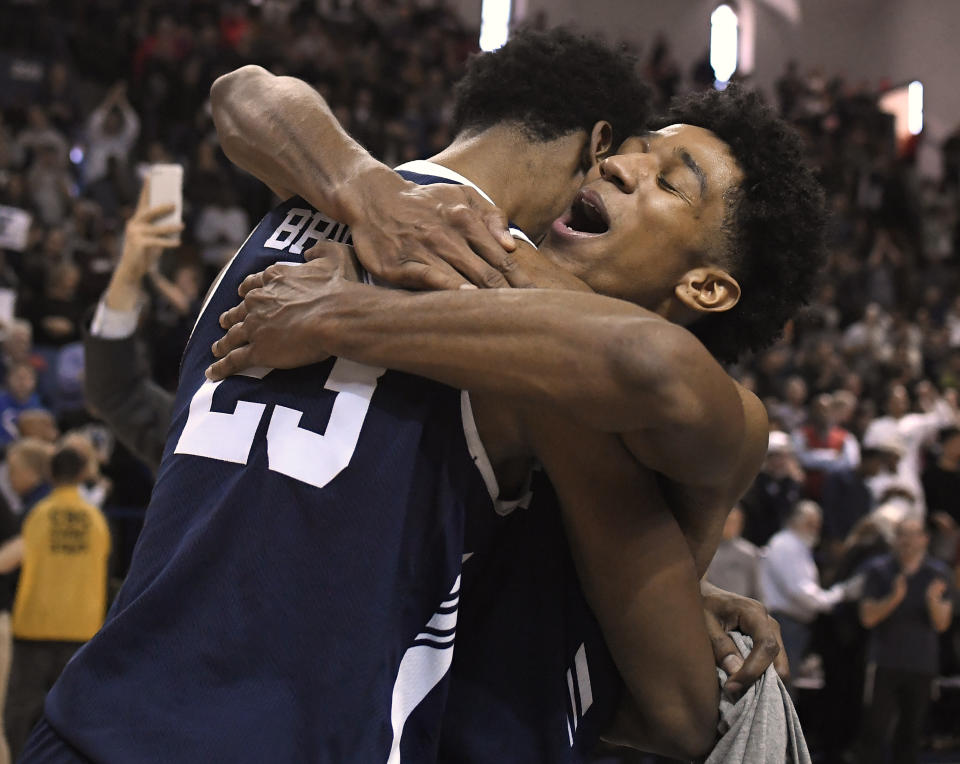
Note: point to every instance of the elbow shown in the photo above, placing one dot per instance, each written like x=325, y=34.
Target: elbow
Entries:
x=225, y=87
x=228, y=95
x=688, y=732
x=680, y=724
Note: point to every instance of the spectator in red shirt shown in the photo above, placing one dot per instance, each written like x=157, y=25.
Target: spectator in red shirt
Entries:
x=823, y=447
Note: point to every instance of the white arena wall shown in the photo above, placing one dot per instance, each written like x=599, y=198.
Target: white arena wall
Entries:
x=865, y=40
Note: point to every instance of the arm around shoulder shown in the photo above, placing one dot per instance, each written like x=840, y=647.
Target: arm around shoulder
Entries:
x=282, y=131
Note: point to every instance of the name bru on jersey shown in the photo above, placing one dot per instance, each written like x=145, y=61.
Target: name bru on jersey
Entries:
x=302, y=228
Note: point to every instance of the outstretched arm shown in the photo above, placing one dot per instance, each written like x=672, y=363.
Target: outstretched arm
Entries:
x=281, y=130
x=613, y=366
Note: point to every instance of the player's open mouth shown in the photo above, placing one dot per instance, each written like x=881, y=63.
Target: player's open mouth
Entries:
x=586, y=217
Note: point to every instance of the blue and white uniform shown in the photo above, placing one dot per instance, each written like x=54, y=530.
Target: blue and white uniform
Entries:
x=533, y=681
x=294, y=593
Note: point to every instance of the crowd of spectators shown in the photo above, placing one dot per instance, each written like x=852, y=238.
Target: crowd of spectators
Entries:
x=861, y=390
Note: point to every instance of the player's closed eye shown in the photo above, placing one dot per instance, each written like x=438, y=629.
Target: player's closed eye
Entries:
x=667, y=186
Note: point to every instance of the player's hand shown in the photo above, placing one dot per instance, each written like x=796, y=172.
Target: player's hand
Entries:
x=279, y=323
x=725, y=611
x=441, y=236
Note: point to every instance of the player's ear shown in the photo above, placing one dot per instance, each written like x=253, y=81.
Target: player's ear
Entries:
x=708, y=290
x=601, y=140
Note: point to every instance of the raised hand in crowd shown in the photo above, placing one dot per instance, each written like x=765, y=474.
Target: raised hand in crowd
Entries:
x=144, y=241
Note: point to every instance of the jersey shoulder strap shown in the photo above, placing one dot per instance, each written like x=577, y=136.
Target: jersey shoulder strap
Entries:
x=426, y=173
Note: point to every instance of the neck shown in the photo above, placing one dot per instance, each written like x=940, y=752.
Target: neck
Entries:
x=510, y=168
x=910, y=563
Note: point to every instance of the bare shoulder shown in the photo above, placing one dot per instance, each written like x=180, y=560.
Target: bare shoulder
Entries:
x=756, y=433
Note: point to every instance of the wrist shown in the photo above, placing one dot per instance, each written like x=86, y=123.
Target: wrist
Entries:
x=128, y=272
x=122, y=294
x=359, y=196
x=344, y=327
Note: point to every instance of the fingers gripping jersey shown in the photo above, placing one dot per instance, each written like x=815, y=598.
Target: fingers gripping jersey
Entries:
x=294, y=593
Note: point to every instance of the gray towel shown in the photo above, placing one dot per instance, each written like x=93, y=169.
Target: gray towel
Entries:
x=762, y=726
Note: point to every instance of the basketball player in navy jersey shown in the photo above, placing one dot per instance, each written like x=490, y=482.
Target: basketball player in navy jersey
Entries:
x=709, y=421
x=294, y=592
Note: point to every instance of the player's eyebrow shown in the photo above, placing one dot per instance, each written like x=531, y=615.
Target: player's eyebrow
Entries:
x=690, y=162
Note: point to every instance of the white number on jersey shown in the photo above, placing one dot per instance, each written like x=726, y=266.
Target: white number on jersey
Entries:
x=291, y=450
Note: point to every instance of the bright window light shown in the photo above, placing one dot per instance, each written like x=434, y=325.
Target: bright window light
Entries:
x=494, y=23
x=915, y=107
x=723, y=43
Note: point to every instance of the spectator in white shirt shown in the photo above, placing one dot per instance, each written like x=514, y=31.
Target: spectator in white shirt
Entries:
x=868, y=336
x=735, y=566
x=38, y=134
x=914, y=430
x=221, y=228
x=111, y=132
x=790, y=582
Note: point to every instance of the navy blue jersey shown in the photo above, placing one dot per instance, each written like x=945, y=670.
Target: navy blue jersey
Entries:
x=293, y=595
x=532, y=680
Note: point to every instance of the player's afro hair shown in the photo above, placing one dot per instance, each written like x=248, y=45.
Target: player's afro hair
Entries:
x=552, y=84
x=775, y=219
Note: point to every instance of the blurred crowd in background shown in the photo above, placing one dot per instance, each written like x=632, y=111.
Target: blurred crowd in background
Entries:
x=861, y=390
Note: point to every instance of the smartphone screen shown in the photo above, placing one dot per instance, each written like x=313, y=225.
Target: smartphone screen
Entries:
x=166, y=187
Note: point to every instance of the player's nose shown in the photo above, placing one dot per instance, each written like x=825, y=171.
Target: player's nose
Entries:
x=625, y=171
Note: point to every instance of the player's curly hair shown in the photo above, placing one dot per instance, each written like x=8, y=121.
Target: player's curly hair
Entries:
x=775, y=219
x=552, y=84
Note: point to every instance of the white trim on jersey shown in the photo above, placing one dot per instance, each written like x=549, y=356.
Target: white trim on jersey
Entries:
x=425, y=167
x=482, y=461
x=423, y=667
x=581, y=691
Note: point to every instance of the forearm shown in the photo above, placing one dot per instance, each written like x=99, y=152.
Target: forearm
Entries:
x=124, y=291
x=11, y=555
x=607, y=364
x=131, y=122
x=941, y=612
x=822, y=459
x=171, y=292
x=640, y=582
x=873, y=611
x=281, y=130
x=811, y=596
x=558, y=347
x=646, y=599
